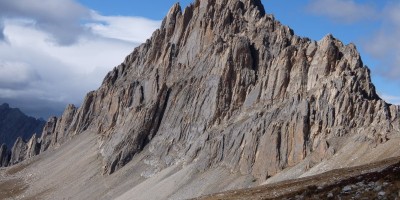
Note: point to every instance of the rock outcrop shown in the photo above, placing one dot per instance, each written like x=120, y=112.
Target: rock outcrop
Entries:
x=61, y=132
x=15, y=129
x=57, y=130
x=4, y=156
x=19, y=151
x=48, y=131
x=222, y=83
x=23, y=150
x=33, y=147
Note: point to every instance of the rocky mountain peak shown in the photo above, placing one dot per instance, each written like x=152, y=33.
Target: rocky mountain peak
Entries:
x=221, y=89
x=224, y=84
x=230, y=65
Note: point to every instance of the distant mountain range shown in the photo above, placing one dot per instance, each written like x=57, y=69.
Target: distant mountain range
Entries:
x=14, y=124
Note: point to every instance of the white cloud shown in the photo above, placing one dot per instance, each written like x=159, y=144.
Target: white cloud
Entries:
x=36, y=71
x=67, y=72
x=133, y=29
x=16, y=75
x=391, y=99
x=342, y=10
x=49, y=15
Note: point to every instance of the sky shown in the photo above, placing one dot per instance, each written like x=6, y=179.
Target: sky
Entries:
x=52, y=52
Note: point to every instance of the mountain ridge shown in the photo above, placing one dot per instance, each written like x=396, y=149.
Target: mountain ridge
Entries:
x=8, y=114
x=15, y=124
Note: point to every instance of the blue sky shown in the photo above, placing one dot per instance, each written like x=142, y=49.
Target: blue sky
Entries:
x=53, y=54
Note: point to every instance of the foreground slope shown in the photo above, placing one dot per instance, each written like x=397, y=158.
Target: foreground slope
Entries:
x=379, y=180
x=222, y=96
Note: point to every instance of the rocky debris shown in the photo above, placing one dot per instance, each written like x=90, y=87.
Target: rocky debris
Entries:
x=346, y=189
x=14, y=124
x=381, y=185
x=373, y=181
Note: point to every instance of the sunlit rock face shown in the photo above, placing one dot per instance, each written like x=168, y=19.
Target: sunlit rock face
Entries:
x=222, y=83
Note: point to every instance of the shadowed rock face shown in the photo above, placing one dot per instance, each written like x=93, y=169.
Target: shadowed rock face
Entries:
x=15, y=127
x=14, y=124
x=4, y=156
x=55, y=132
x=223, y=84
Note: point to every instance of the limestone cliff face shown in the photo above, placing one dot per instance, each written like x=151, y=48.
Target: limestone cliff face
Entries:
x=56, y=130
x=19, y=151
x=48, y=131
x=60, y=134
x=221, y=83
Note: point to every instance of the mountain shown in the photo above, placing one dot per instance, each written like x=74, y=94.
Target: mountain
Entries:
x=14, y=124
x=221, y=97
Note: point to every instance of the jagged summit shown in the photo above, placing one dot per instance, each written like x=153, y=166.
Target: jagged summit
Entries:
x=223, y=88
x=238, y=4
x=227, y=64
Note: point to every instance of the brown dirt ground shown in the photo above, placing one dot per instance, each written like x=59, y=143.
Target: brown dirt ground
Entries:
x=17, y=168
x=379, y=180
x=10, y=189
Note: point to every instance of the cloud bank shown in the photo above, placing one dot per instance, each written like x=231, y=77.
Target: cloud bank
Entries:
x=49, y=15
x=53, y=52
